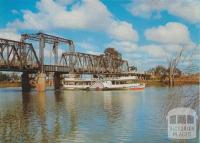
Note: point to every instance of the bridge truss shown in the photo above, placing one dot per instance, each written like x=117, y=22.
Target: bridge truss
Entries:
x=87, y=63
x=17, y=56
x=21, y=56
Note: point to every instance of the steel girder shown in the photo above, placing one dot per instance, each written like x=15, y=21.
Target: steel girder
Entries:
x=50, y=39
x=81, y=62
x=18, y=56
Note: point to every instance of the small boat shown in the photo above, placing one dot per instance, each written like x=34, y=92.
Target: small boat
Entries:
x=111, y=83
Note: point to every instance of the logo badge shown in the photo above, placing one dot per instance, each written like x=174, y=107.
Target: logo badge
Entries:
x=182, y=123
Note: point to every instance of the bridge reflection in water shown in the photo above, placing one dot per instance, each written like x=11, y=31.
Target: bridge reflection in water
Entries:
x=39, y=118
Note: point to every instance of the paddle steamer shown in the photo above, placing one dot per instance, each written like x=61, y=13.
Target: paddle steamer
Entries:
x=102, y=83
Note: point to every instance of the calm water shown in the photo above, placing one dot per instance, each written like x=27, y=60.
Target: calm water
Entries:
x=81, y=116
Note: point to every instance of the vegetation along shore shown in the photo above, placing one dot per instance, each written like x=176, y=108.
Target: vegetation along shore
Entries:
x=14, y=80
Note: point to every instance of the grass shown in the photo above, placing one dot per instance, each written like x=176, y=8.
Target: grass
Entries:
x=4, y=84
x=184, y=80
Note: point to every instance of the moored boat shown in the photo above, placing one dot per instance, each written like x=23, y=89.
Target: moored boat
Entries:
x=111, y=83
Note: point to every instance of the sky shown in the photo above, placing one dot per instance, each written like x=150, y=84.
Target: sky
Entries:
x=146, y=32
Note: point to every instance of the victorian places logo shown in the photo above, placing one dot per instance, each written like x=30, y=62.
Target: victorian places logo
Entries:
x=182, y=123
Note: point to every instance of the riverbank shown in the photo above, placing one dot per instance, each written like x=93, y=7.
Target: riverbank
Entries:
x=149, y=83
x=165, y=83
x=4, y=84
x=184, y=80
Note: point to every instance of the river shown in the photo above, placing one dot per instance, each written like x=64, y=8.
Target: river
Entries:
x=89, y=116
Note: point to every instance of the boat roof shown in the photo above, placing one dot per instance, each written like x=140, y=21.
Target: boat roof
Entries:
x=103, y=79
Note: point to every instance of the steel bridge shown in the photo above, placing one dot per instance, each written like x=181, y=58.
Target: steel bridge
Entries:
x=21, y=56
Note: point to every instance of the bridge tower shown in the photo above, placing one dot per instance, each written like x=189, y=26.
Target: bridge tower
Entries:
x=55, y=41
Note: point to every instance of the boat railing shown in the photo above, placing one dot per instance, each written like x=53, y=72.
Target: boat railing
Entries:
x=103, y=79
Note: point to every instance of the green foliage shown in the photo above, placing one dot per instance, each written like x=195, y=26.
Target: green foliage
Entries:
x=4, y=77
x=8, y=77
x=112, y=52
x=162, y=72
x=158, y=70
x=133, y=68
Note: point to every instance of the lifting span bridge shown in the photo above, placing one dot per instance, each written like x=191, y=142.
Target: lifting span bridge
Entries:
x=21, y=56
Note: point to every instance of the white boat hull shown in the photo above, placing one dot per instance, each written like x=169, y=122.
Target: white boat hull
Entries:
x=118, y=83
x=102, y=87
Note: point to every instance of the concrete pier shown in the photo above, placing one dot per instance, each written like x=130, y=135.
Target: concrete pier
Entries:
x=26, y=82
x=57, y=80
x=41, y=82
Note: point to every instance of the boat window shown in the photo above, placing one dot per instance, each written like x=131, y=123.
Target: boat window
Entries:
x=71, y=83
x=173, y=119
x=181, y=119
x=190, y=119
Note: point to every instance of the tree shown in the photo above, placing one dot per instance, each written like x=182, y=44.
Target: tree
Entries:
x=4, y=77
x=112, y=53
x=159, y=71
x=172, y=66
x=133, y=68
x=177, y=72
x=162, y=72
x=14, y=76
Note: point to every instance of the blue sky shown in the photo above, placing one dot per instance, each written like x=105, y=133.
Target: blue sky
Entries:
x=146, y=32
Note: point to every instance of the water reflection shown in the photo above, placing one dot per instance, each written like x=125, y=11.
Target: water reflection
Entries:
x=70, y=105
x=80, y=116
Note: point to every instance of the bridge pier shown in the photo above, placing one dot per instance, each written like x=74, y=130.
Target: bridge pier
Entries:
x=57, y=80
x=26, y=82
x=41, y=82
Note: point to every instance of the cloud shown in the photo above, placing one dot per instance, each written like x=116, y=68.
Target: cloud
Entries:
x=137, y=54
x=171, y=33
x=64, y=2
x=123, y=46
x=154, y=51
x=90, y=15
x=148, y=55
x=94, y=52
x=122, y=31
x=165, y=50
x=14, y=11
x=186, y=9
x=169, y=40
x=9, y=33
